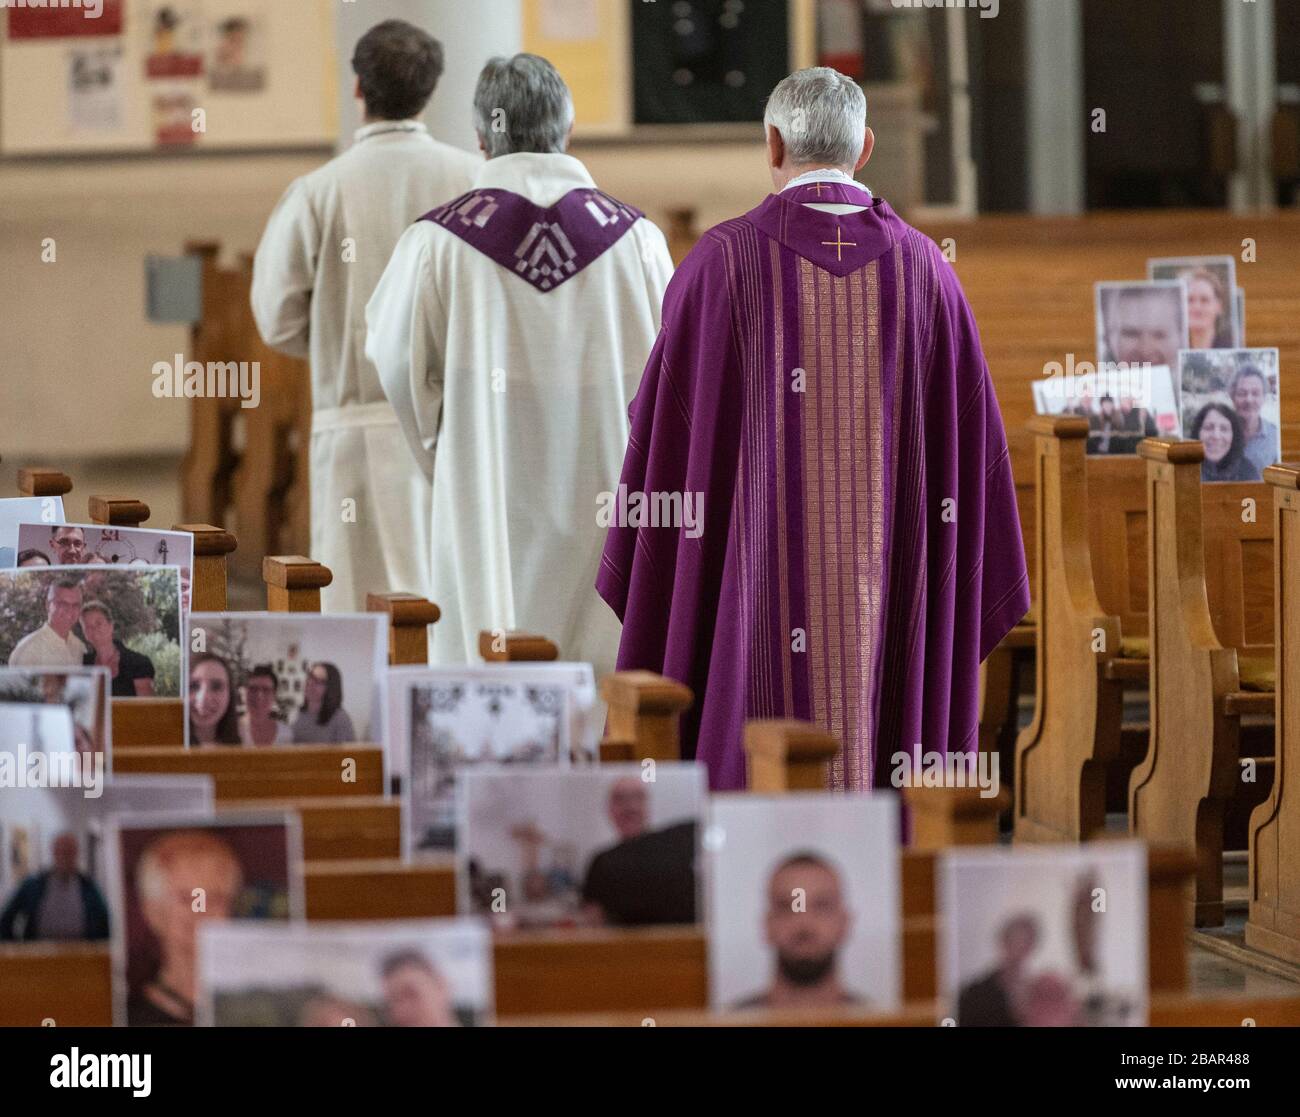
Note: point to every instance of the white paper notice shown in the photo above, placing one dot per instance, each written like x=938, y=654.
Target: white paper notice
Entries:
x=95, y=89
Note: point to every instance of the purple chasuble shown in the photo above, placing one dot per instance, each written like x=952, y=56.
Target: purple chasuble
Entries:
x=818, y=389
x=543, y=246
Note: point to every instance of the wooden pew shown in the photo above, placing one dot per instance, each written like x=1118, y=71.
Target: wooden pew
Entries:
x=1212, y=662
x=516, y=647
x=118, y=511
x=644, y=719
x=43, y=482
x=643, y=971
x=1029, y=281
x=339, y=828
x=1091, y=622
x=209, y=577
x=1273, y=923
x=261, y=486
x=293, y=583
x=285, y=773
x=409, y=618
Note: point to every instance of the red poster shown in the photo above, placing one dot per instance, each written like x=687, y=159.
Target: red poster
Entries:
x=75, y=22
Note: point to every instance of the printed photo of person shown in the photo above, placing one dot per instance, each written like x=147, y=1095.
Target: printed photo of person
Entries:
x=45, y=510
x=261, y=724
x=33, y=558
x=59, y=904
x=803, y=902
x=583, y=714
x=451, y=719
x=83, y=544
x=1044, y=937
x=172, y=874
x=266, y=679
x=321, y=718
x=125, y=619
x=212, y=717
x=1123, y=405
x=806, y=939
x=1232, y=405
x=1212, y=319
x=549, y=847
x=237, y=65
x=131, y=672
x=1141, y=323
x=53, y=643
x=398, y=974
x=83, y=690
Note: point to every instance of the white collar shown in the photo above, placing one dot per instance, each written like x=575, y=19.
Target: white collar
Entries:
x=825, y=174
x=379, y=127
x=542, y=178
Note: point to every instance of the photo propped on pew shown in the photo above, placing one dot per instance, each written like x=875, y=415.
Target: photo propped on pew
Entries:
x=1141, y=323
x=1212, y=304
x=803, y=905
x=53, y=886
x=1050, y=936
x=404, y=974
x=447, y=719
x=17, y=510
x=1231, y=404
x=85, y=544
x=1123, y=404
x=84, y=690
x=615, y=845
x=169, y=873
x=126, y=619
x=260, y=679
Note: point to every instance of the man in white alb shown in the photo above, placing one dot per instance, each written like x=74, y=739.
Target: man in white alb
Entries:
x=53, y=645
x=323, y=251
x=510, y=332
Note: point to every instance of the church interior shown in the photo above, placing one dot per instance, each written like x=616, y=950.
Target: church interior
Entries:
x=1147, y=701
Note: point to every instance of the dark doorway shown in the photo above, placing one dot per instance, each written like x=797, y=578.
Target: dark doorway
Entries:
x=1156, y=68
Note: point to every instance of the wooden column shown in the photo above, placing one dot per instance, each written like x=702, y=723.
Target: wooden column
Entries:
x=1273, y=924
x=788, y=755
x=293, y=583
x=943, y=817
x=409, y=618
x=118, y=511
x=43, y=482
x=645, y=713
x=496, y=646
x=1059, y=780
x=208, y=580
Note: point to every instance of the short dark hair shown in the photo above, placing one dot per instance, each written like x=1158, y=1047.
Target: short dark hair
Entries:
x=398, y=66
x=401, y=959
x=264, y=671
x=1237, y=450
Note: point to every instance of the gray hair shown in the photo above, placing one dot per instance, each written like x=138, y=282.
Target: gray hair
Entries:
x=821, y=115
x=522, y=104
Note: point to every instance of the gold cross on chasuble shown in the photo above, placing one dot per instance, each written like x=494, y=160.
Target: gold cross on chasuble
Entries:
x=840, y=244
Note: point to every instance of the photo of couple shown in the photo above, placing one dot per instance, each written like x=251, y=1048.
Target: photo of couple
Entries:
x=1047, y=937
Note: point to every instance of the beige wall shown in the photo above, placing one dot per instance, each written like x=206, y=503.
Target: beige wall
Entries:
x=76, y=353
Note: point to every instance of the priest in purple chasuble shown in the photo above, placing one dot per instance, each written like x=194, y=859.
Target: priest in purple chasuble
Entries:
x=818, y=397
x=510, y=330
